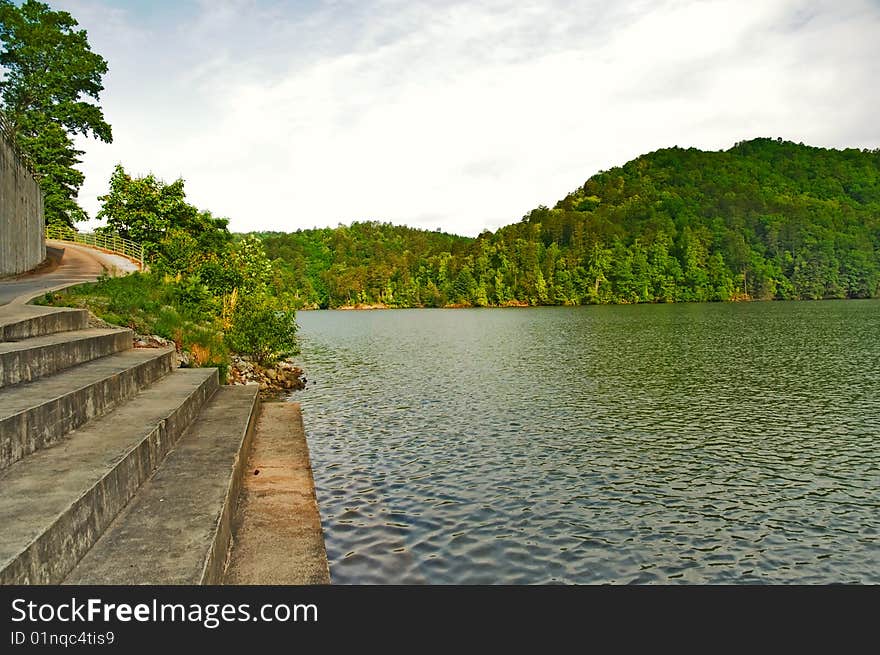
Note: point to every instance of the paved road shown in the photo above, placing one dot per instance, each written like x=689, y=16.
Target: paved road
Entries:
x=79, y=264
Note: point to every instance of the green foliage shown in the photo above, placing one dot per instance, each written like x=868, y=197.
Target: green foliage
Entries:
x=252, y=269
x=150, y=303
x=176, y=236
x=367, y=262
x=209, y=293
x=49, y=69
x=767, y=219
x=262, y=331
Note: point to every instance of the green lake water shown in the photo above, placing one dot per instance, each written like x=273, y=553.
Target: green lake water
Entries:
x=695, y=443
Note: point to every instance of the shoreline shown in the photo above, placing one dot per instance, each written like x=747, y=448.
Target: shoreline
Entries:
x=738, y=301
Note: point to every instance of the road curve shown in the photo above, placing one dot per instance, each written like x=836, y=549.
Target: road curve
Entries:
x=79, y=264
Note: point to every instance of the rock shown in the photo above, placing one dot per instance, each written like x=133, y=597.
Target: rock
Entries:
x=151, y=341
x=95, y=322
x=281, y=378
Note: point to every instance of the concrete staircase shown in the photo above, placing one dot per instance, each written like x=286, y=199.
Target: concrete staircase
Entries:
x=115, y=467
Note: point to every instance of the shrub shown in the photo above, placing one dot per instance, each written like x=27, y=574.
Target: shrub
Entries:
x=190, y=309
x=191, y=294
x=262, y=331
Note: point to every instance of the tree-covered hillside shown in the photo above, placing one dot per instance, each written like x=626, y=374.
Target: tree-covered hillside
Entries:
x=767, y=219
x=365, y=263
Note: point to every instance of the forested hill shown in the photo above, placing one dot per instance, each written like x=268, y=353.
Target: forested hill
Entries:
x=767, y=219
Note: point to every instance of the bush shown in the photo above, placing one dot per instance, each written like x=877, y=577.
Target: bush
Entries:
x=208, y=322
x=177, y=308
x=191, y=294
x=262, y=331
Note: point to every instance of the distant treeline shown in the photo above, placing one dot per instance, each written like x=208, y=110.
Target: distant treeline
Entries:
x=767, y=219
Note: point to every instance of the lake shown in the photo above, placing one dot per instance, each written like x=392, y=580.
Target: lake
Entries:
x=691, y=443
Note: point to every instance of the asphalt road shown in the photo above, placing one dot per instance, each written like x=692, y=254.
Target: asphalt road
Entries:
x=79, y=264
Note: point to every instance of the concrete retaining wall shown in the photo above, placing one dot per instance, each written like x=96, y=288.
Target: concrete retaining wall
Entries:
x=22, y=238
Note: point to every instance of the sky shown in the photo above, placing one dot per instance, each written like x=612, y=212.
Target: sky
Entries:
x=460, y=116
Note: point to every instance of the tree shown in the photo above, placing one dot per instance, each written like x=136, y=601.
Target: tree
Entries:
x=50, y=72
x=465, y=286
x=149, y=211
x=262, y=330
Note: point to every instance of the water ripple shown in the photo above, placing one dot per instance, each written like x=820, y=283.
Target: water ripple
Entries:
x=646, y=444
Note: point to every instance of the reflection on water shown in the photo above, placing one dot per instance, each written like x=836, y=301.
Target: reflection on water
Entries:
x=662, y=443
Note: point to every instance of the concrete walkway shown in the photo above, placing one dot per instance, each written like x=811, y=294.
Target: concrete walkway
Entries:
x=277, y=535
x=79, y=264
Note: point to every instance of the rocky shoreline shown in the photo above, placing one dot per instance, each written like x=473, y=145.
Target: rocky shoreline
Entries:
x=281, y=378
x=273, y=380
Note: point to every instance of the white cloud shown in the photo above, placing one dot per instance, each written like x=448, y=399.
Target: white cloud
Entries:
x=459, y=115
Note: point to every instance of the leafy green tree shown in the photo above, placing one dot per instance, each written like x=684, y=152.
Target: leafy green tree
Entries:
x=465, y=286
x=50, y=73
x=262, y=330
x=598, y=264
x=157, y=215
x=144, y=208
x=248, y=258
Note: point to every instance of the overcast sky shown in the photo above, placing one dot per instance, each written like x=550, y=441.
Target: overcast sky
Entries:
x=459, y=115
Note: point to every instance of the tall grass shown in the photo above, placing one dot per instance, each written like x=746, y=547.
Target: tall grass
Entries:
x=176, y=308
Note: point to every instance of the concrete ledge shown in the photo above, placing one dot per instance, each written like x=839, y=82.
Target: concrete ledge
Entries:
x=177, y=528
x=31, y=359
x=37, y=414
x=19, y=322
x=56, y=503
x=277, y=531
x=216, y=561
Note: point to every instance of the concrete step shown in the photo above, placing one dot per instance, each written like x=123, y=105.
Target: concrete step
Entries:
x=25, y=321
x=36, y=414
x=55, y=503
x=176, y=530
x=31, y=359
x=276, y=533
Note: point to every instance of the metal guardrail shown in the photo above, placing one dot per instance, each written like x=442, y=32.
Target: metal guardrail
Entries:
x=111, y=243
